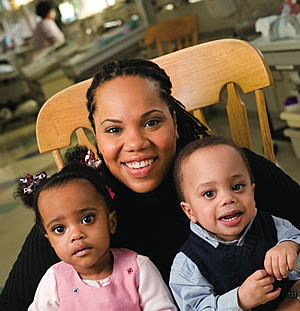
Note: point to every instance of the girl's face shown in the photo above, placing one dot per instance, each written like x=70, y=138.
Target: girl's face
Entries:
x=135, y=132
x=78, y=226
x=218, y=191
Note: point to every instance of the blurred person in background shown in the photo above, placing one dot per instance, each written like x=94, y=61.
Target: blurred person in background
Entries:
x=47, y=32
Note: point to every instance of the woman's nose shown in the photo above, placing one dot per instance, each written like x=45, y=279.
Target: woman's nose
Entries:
x=135, y=140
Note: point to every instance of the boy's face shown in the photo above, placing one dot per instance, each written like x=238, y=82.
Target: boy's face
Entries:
x=218, y=191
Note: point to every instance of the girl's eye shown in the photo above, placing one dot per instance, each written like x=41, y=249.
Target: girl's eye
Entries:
x=113, y=130
x=237, y=187
x=209, y=194
x=59, y=229
x=88, y=219
x=152, y=122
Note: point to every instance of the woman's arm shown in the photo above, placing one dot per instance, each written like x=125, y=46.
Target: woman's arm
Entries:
x=35, y=258
x=275, y=191
x=154, y=293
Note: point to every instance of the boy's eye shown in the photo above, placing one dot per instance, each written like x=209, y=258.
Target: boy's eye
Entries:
x=209, y=194
x=59, y=229
x=237, y=187
x=88, y=219
x=152, y=122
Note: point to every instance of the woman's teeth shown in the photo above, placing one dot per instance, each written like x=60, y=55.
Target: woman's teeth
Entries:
x=140, y=164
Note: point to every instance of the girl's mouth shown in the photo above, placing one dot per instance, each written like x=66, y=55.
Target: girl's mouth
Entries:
x=81, y=251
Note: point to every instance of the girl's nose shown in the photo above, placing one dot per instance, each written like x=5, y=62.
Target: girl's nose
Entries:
x=76, y=234
x=135, y=140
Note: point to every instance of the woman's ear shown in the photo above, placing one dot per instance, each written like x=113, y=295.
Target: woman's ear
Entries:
x=253, y=187
x=188, y=211
x=112, y=222
x=175, y=124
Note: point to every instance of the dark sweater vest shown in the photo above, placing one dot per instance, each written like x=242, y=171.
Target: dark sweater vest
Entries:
x=227, y=266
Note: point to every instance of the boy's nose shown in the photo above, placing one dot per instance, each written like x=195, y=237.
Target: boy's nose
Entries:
x=228, y=199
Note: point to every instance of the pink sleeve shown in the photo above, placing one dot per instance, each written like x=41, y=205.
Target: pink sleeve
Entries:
x=154, y=293
x=46, y=298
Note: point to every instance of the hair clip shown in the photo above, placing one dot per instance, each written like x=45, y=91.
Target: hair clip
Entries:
x=110, y=192
x=30, y=182
x=89, y=159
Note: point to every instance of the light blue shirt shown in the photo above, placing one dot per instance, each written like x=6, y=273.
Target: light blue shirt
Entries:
x=191, y=289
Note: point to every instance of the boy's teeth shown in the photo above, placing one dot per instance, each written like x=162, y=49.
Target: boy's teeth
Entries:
x=140, y=164
x=229, y=219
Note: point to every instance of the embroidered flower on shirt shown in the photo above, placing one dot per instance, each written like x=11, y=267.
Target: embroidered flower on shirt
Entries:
x=129, y=270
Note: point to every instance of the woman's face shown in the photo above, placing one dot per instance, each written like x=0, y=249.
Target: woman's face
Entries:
x=135, y=132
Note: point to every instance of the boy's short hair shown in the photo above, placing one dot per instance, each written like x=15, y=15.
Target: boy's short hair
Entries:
x=190, y=148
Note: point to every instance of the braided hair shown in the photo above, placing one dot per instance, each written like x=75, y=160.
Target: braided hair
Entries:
x=189, y=127
x=73, y=170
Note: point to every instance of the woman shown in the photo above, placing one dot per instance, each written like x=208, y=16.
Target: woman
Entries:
x=139, y=129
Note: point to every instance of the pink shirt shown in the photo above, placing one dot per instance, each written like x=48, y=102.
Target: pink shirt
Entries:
x=135, y=284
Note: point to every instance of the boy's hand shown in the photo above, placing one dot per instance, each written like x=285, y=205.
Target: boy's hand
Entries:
x=280, y=258
x=257, y=290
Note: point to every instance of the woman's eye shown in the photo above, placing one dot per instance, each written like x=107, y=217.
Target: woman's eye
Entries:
x=113, y=130
x=237, y=187
x=209, y=194
x=152, y=122
x=59, y=229
x=88, y=219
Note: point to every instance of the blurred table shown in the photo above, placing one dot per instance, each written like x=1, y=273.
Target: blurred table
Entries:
x=105, y=48
x=282, y=54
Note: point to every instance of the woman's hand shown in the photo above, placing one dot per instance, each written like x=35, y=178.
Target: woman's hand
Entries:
x=280, y=258
x=257, y=290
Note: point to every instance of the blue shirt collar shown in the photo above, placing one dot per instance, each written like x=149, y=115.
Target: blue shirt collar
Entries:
x=214, y=240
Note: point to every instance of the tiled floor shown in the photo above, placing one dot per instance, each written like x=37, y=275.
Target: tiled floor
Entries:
x=19, y=155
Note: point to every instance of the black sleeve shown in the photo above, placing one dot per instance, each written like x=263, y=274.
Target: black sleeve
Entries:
x=275, y=191
x=35, y=258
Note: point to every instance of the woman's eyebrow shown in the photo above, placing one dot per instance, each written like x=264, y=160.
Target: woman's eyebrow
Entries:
x=111, y=120
x=146, y=114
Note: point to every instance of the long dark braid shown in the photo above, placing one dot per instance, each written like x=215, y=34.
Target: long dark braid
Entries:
x=189, y=127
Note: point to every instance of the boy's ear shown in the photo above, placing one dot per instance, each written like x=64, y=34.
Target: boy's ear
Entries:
x=113, y=222
x=188, y=211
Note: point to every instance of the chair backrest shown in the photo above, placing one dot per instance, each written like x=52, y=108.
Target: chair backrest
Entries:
x=171, y=35
x=198, y=74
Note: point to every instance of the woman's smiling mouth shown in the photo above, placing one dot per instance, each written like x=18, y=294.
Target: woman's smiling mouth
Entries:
x=139, y=164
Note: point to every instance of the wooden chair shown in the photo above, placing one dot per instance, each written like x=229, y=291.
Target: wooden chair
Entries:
x=198, y=74
x=171, y=35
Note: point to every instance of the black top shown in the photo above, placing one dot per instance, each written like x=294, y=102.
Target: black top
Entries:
x=152, y=224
